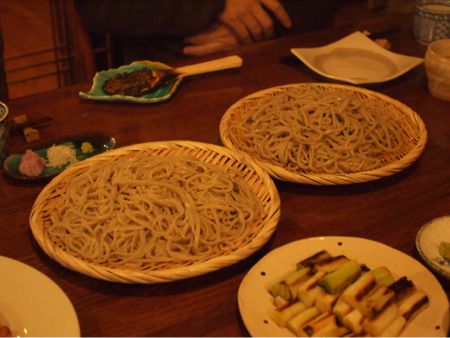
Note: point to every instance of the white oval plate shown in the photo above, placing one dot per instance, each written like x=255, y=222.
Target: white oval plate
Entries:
x=356, y=59
x=427, y=242
x=255, y=302
x=31, y=304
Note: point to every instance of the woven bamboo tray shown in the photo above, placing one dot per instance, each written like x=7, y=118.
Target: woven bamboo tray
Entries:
x=256, y=178
x=412, y=125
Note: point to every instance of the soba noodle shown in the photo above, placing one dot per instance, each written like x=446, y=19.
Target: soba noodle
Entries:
x=154, y=213
x=310, y=131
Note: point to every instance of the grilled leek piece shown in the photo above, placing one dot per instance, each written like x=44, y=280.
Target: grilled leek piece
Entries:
x=394, y=328
x=353, y=320
x=383, y=276
x=296, y=276
x=341, y=309
x=295, y=324
x=309, y=290
x=376, y=325
x=326, y=302
x=375, y=302
x=284, y=291
x=411, y=300
x=364, y=285
x=337, y=280
x=313, y=259
x=413, y=304
x=281, y=294
x=283, y=316
x=330, y=264
x=403, y=288
x=310, y=295
x=324, y=325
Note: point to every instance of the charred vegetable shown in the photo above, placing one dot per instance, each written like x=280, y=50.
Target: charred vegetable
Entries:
x=329, y=295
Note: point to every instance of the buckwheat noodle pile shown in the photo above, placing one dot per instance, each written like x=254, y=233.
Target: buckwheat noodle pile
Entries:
x=154, y=213
x=307, y=130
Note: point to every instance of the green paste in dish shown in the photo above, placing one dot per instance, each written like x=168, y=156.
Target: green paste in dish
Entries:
x=444, y=250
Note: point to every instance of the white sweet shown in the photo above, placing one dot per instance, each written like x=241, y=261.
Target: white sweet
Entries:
x=59, y=155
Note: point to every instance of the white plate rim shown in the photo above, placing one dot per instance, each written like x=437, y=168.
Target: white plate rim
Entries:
x=254, y=283
x=360, y=41
x=44, y=316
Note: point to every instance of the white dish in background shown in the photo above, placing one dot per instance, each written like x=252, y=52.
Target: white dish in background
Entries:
x=356, y=59
x=255, y=302
x=31, y=304
x=428, y=239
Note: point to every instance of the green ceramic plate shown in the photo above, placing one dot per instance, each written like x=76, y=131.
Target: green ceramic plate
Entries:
x=161, y=93
x=101, y=143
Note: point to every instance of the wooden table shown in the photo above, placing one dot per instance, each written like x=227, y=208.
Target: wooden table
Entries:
x=389, y=210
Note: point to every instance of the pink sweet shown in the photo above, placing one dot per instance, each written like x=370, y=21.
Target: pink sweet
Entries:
x=31, y=164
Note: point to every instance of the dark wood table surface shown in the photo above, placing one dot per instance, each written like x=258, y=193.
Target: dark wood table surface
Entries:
x=390, y=210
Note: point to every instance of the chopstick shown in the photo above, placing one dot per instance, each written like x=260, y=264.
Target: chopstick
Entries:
x=384, y=33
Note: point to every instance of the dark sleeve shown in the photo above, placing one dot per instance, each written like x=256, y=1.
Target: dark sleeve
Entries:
x=308, y=15
x=148, y=18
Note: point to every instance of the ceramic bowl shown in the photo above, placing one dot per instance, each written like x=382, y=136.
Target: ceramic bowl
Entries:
x=4, y=131
x=437, y=65
x=431, y=20
x=429, y=240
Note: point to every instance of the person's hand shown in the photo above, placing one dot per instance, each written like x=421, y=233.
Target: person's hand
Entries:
x=242, y=22
x=250, y=20
x=217, y=38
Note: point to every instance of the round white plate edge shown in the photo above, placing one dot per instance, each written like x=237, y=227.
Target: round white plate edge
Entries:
x=263, y=326
x=12, y=309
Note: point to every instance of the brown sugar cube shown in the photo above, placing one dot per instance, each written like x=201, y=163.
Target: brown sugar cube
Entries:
x=20, y=119
x=31, y=134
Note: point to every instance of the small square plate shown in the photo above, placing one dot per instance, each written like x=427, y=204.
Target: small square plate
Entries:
x=356, y=59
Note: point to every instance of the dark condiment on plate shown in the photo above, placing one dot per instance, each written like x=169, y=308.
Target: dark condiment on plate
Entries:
x=135, y=83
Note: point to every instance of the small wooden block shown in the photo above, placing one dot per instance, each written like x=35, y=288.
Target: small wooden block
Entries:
x=20, y=119
x=383, y=43
x=31, y=134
